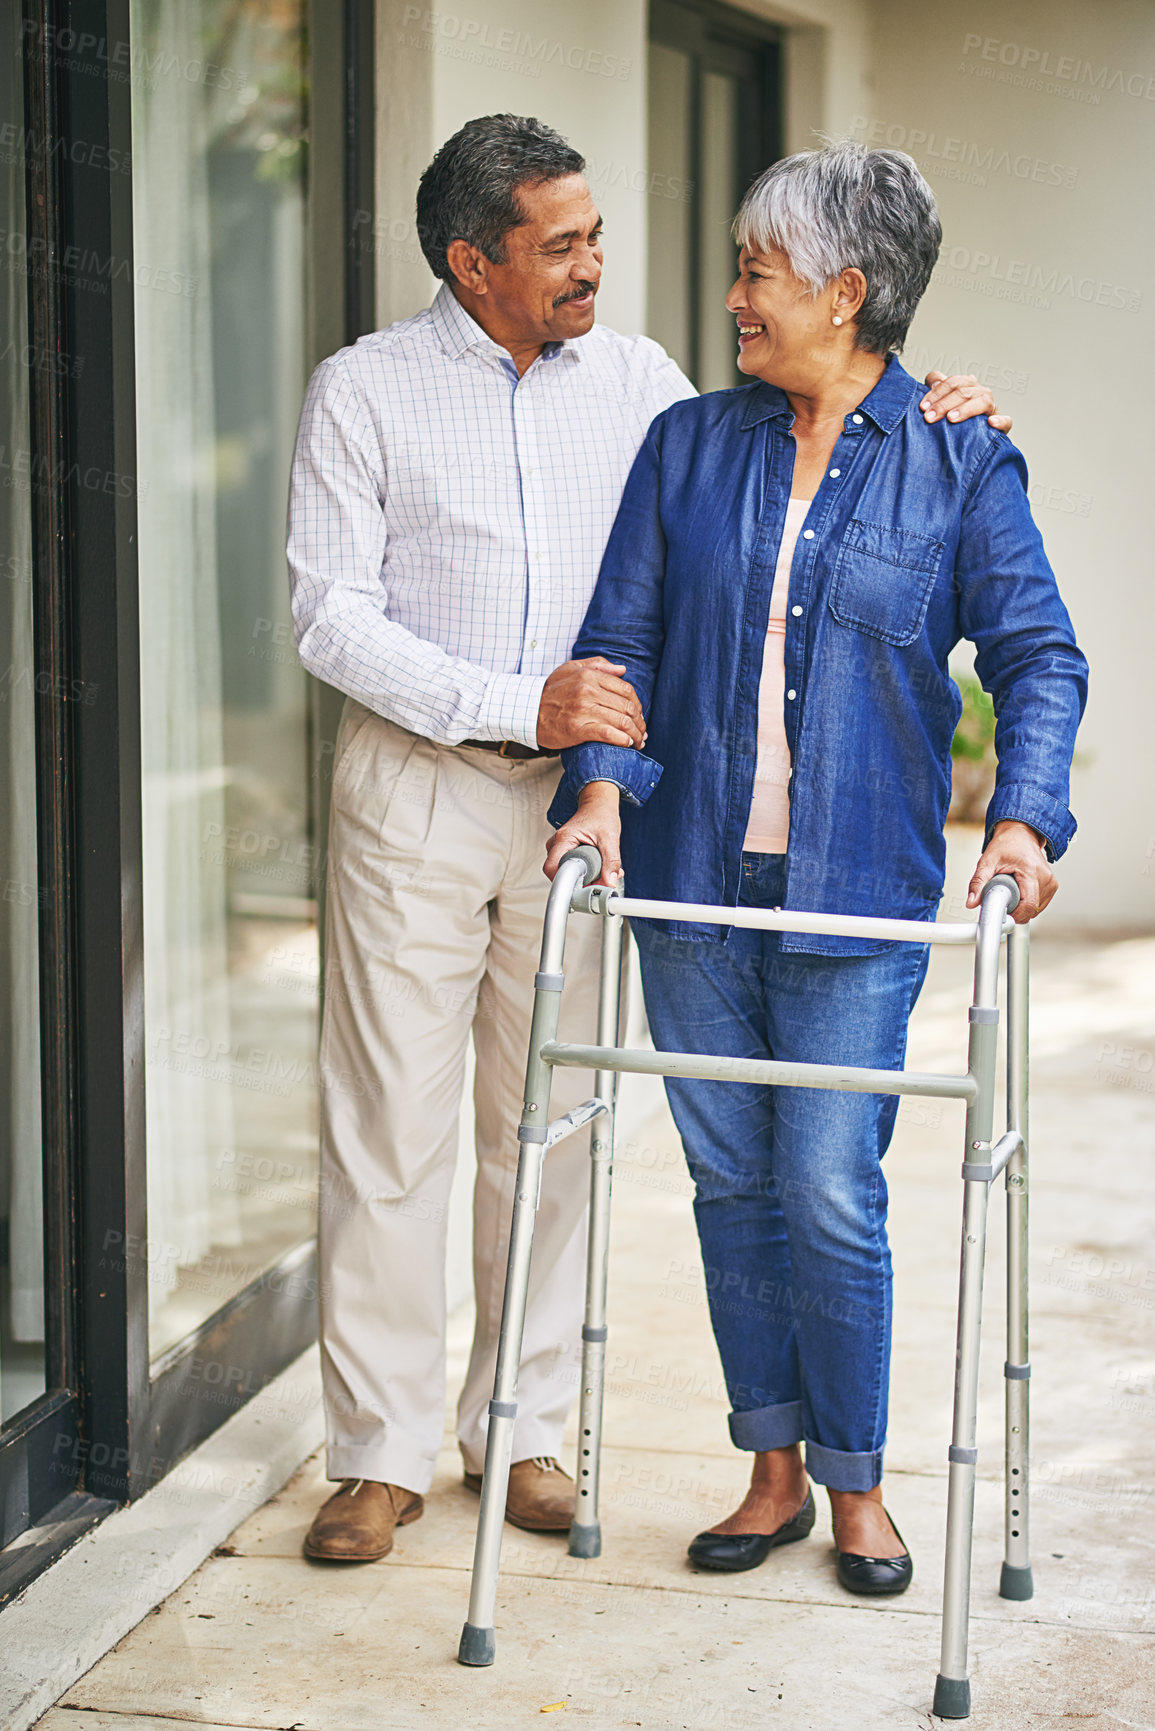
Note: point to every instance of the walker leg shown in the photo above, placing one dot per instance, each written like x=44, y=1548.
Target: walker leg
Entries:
x=1017, y=1581
x=585, y=1534
x=952, y=1694
x=478, y=1637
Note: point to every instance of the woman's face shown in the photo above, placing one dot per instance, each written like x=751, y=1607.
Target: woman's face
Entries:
x=782, y=328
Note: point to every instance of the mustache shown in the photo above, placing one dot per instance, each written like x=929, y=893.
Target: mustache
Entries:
x=575, y=294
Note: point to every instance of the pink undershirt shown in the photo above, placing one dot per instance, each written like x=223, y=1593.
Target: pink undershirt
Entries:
x=769, y=825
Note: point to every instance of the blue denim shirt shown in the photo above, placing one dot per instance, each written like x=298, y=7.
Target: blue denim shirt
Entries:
x=918, y=535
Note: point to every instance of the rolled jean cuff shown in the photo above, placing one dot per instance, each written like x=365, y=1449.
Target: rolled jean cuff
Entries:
x=839, y=1471
x=768, y=1427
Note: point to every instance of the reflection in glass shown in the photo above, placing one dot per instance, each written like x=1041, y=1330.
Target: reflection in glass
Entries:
x=21, y=1171
x=218, y=110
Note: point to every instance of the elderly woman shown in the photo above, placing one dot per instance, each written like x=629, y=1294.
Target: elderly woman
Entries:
x=792, y=564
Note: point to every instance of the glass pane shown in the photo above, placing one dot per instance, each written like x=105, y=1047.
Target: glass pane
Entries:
x=668, y=279
x=229, y=915
x=21, y=1171
x=718, y=342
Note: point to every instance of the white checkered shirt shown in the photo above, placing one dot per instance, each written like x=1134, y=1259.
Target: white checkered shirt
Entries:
x=447, y=520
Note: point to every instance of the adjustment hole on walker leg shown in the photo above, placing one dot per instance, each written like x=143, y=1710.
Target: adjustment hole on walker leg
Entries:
x=585, y=1433
x=586, y=1494
x=1014, y=1472
x=585, y=1451
x=1014, y=1531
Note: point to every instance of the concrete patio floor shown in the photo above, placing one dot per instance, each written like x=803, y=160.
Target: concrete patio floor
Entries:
x=260, y=1638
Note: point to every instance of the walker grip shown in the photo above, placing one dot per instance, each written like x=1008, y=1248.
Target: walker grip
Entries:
x=1005, y=881
x=591, y=860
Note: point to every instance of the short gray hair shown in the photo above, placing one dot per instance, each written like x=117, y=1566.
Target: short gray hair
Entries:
x=469, y=191
x=843, y=206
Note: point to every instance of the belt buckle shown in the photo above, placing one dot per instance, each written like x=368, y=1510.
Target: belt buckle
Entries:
x=501, y=751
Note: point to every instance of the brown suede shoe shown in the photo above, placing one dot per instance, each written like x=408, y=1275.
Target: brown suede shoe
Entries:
x=540, y=1496
x=356, y=1524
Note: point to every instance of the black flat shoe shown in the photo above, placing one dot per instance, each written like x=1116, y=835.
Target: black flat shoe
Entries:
x=730, y=1553
x=875, y=1575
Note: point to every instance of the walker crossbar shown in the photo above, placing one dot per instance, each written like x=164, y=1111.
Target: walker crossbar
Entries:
x=829, y=1076
x=982, y=1164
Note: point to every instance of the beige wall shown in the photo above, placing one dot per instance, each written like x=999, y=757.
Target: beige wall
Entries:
x=582, y=69
x=1044, y=287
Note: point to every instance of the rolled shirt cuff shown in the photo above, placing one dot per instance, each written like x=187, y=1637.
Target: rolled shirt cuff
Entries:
x=636, y=774
x=510, y=707
x=1018, y=802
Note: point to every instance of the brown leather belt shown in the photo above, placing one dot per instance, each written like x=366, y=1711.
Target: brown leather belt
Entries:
x=509, y=748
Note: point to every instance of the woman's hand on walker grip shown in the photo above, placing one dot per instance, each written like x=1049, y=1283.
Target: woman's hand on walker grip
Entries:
x=598, y=820
x=1015, y=848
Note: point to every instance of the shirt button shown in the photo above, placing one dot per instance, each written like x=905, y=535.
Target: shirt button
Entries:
x=791, y=695
x=857, y=419
x=797, y=612
x=808, y=534
x=533, y=645
x=834, y=474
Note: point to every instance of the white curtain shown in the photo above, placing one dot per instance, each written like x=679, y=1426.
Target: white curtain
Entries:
x=188, y=1091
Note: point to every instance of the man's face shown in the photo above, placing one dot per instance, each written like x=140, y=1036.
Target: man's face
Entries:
x=545, y=290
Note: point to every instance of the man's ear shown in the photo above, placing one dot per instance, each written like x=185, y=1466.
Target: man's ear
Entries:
x=469, y=266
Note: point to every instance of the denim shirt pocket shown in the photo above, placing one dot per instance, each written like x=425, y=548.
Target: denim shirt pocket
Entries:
x=883, y=579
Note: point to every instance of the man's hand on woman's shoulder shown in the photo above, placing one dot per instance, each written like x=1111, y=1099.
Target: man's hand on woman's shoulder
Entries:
x=960, y=398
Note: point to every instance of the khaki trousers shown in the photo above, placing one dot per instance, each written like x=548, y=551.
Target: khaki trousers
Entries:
x=433, y=926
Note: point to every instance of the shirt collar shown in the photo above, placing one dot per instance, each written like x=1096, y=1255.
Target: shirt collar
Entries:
x=886, y=404
x=458, y=333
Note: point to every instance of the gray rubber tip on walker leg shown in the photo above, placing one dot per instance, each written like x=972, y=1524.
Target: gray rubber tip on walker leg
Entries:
x=952, y=1698
x=478, y=1646
x=585, y=1541
x=1015, y=1583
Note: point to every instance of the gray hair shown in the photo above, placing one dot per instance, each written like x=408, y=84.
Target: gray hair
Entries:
x=469, y=191
x=843, y=206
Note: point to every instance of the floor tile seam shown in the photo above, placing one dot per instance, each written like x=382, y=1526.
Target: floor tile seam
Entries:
x=994, y=1618
x=172, y=1718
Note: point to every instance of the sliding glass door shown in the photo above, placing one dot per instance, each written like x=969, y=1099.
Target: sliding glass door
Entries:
x=178, y=186
x=230, y=941
x=22, y=1367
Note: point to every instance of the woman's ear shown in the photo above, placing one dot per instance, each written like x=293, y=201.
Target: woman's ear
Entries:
x=849, y=294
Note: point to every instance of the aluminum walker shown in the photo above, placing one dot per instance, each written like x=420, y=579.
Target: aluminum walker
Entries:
x=983, y=1160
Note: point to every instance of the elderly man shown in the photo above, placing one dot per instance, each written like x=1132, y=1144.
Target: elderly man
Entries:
x=455, y=480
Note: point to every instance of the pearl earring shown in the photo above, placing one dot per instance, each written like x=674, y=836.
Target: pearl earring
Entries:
x=836, y=320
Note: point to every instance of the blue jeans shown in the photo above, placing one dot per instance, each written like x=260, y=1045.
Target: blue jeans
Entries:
x=790, y=1200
